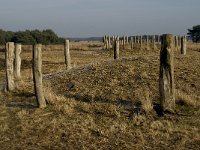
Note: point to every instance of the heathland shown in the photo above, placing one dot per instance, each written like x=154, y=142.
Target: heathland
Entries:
x=101, y=103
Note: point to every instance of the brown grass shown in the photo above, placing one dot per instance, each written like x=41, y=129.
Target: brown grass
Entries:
x=105, y=105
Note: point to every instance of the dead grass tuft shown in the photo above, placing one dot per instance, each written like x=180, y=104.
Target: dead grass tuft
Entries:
x=183, y=98
x=146, y=101
x=60, y=103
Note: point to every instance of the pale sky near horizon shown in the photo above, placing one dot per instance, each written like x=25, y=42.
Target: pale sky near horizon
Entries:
x=87, y=18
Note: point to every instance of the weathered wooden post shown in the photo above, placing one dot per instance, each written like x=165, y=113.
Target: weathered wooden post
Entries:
x=141, y=42
x=176, y=41
x=10, y=84
x=109, y=42
x=116, y=48
x=132, y=43
x=183, y=45
x=17, y=61
x=67, y=55
x=158, y=38
x=135, y=39
x=154, y=42
x=37, y=75
x=179, y=41
x=138, y=39
x=124, y=42
x=104, y=41
x=147, y=42
x=166, y=79
x=127, y=39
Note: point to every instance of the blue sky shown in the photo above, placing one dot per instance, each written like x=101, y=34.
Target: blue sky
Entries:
x=85, y=18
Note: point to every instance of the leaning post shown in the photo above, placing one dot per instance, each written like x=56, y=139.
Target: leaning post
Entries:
x=37, y=75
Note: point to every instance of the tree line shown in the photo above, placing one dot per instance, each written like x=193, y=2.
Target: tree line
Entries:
x=194, y=33
x=47, y=36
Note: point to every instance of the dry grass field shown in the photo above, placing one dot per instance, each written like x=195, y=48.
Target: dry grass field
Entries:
x=101, y=103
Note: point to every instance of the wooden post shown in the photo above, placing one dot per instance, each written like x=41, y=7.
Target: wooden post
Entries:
x=37, y=75
x=138, y=39
x=124, y=42
x=135, y=39
x=67, y=55
x=154, y=42
x=176, y=42
x=10, y=85
x=132, y=43
x=17, y=61
x=116, y=48
x=141, y=42
x=183, y=45
x=158, y=38
x=127, y=39
x=109, y=42
x=179, y=41
x=104, y=41
x=166, y=80
x=147, y=42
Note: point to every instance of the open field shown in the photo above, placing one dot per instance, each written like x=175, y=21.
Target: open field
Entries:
x=101, y=103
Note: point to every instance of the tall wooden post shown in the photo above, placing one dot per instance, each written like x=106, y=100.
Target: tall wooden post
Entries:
x=158, y=38
x=104, y=40
x=183, y=45
x=179, y=41
x=138, y=39
x=135, y=39
x=124, y=42
x=67, y=55
x=166, y=79
x=17, y=61
x=154, y=42
x=116, y=48
x=109, y=42
x=141, y=42
x=147, y=42
x=176, y=42
x=127, y=39
x=37, y=75
x=132, y=43
x=10, y=84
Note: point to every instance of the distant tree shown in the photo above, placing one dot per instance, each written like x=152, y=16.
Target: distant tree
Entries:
x=47, y=36
x=23, y=37
x=5, y=36
x=194, y=33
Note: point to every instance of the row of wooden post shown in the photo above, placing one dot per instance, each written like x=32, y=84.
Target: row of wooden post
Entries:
x=179, y=42
x=166, y=77
x=13, y=66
